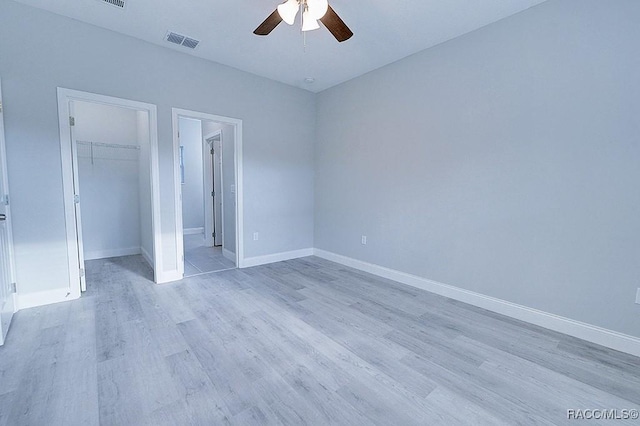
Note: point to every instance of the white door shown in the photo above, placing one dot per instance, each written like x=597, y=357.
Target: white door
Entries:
x=76, y=192
x=7, y=268
x=217, y=190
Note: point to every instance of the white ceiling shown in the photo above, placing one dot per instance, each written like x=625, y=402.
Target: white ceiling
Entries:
x=385, y=31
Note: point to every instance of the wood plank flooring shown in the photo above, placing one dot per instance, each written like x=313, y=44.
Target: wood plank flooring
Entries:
x=300, y=342
x=199, y=259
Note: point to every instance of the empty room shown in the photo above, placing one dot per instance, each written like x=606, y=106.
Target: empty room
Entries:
x=312, y=212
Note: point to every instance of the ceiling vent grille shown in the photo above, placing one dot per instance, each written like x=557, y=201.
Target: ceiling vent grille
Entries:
x=190, y=43
x=176, y=38
x=117, y=3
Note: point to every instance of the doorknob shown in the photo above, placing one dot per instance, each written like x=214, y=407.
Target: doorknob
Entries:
x=3, y=217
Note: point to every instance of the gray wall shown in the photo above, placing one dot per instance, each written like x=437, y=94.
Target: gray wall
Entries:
x=109, y=180
x=58, y=52
x=144, y=187
x=228, y=178
x=193, y=187
x=505, y=162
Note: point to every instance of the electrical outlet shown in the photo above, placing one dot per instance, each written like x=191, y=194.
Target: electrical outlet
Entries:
x=638, y=296
x=255, y=236
x=364, y=240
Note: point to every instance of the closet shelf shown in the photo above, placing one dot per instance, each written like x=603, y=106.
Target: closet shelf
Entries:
x=107, y=151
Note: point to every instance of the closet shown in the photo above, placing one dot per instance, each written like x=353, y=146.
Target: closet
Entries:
x=112, y=151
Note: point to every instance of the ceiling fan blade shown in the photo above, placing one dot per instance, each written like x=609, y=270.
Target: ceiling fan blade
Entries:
x=336, y=26
x=269, y=24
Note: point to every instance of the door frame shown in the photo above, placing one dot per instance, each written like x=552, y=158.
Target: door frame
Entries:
x=4, y=192
x=176, y=113
x=65, y=96
x=207, y=177
x=77, y=209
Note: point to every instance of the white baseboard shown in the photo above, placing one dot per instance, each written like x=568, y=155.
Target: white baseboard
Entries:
x=40, y=298
x=146, y=256
x=591, y=333
x=229, y=255
x=192, y=231
x=276, y=257
x=168, y=276
x=104, y=254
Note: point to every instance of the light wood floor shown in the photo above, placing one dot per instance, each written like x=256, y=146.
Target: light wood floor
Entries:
x=199, y=258
x=298, y=342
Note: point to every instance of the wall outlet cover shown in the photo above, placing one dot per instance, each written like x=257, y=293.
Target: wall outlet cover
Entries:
x=364, y=240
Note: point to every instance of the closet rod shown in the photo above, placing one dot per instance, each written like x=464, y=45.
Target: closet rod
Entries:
x=109, y=145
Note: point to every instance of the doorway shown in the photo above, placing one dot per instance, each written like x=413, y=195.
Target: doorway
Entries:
x=208, y=158
x=109, y=154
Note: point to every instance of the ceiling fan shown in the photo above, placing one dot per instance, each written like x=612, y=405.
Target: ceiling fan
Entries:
x=312, y=12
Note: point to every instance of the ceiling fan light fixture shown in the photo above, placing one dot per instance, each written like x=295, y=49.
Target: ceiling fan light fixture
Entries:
x=288, y=11
x=312, y=12
x=317, y=8
x=308, y=22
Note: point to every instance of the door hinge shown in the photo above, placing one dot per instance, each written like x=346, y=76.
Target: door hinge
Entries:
x=213, y=235
x=213, y=193
x=81, y=272
x=0, y=107
x=72, y=121
x=13, y=288
x=5, y=200
x=76, y=199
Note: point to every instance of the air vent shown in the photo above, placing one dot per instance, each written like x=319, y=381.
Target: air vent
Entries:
x=190, y=43
x=117, y=3
x=176, y=38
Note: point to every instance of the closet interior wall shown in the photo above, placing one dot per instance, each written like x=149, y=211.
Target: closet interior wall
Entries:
x=115, y=191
